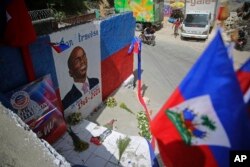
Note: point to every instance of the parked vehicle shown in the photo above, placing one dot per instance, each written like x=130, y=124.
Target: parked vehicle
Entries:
x=242, y=39
x=146, y=12
x=199, y=18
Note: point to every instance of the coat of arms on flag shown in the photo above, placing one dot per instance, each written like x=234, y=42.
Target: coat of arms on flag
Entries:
x=198, y=123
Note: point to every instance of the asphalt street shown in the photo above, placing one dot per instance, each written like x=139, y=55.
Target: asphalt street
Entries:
x=163, y=68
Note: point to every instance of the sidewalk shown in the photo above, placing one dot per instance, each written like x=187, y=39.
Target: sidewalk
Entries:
x=107, y=154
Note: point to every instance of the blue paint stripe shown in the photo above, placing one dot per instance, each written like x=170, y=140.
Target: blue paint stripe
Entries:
x=116, y=32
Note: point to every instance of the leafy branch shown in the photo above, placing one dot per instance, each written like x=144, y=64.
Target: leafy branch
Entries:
x=143, y=125
x=122, y=144
x=74, y=118
x=124, y=106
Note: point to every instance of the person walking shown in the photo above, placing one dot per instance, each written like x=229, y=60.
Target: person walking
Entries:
x=176, y=26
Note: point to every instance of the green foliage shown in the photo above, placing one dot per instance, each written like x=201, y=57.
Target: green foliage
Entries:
x=206, y=121
x=122, y=144
x=124, y=106
x=78, y=143
x=59, y=16
x=143, y=125
x=111, y=102
x=74, y=118
x=73, y=7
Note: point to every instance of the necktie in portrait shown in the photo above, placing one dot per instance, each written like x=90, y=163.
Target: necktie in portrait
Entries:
x=85, y=87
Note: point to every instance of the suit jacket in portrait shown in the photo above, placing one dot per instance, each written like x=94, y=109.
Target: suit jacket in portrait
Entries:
x=74, y=94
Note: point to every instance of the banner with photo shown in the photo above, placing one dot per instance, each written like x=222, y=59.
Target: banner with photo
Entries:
x=76, y=53
x=37, y=105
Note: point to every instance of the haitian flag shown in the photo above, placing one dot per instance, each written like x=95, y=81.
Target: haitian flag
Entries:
x=19, y=30
x=59, y=47
x=243, y=75
x=204, y=118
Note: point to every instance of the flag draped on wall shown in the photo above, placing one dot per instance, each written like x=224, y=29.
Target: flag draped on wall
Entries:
x=204, y=118
x=19, y=30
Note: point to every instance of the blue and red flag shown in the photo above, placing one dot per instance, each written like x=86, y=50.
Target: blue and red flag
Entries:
x=243, y=75
x=136, y=48
x=59, y=47
x=19, y=30
x=204, y=118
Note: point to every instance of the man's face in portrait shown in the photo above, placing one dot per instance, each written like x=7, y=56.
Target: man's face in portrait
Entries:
x=78, y=64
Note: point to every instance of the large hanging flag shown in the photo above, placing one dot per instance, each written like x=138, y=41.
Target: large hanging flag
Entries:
x=243, y=75
x=204, y=118
x=19, y=30
x=136, y=48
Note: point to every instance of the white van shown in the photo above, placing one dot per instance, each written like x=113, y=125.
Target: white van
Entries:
x=199, y=18
x=196, y=24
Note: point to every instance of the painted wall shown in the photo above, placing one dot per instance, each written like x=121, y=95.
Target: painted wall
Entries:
x=116, y=65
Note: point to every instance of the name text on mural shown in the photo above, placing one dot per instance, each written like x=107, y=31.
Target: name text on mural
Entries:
x=86, y=36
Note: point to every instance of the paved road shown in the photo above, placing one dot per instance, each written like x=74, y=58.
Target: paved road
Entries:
x=164, y=66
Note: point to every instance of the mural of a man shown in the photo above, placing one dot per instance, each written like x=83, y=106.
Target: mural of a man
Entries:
x=78, y=65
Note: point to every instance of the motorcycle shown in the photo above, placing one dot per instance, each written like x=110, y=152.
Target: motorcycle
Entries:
x=150, y=40
x=242, y=39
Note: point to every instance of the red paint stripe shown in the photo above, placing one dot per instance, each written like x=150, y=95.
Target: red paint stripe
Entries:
x=114, y=70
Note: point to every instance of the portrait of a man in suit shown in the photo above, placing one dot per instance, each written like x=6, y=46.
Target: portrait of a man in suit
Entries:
x=78, y=66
